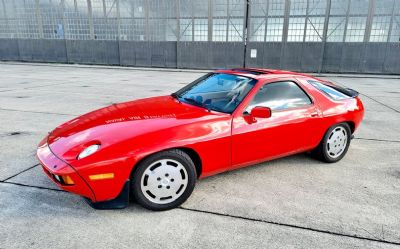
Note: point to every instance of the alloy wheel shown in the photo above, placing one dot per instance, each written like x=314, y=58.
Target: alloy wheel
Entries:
x=164, y=181
x=337, y=142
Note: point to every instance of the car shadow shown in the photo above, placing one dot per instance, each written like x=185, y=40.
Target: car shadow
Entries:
x=50, y=196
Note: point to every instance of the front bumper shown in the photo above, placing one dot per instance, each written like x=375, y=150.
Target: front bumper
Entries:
x=56, y=168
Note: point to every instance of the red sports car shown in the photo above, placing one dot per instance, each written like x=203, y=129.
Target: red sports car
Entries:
x=156, y=148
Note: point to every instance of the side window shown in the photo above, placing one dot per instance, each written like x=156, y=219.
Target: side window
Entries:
x=280, y=96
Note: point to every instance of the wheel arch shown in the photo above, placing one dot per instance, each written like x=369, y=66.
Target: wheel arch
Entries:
x=352, y=125
x=195, y=158
x=194, y=155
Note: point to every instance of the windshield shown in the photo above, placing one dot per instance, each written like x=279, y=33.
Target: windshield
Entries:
x=217, y=91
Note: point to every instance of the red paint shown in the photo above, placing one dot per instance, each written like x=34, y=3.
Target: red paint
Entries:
x=128, y=132
x=260, y=112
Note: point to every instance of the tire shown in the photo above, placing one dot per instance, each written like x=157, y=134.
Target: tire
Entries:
x=335, y=143
x=164, y=180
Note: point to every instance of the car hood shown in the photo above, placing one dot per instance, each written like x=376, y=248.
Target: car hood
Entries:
x=121, y=122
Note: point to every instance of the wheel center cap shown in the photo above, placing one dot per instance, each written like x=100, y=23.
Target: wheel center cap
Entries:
x=165, y=181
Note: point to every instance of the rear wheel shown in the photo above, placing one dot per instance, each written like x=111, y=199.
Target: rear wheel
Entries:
x=335, y=143
x=164, y=180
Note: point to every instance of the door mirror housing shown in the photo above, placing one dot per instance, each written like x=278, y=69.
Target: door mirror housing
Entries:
x=260, y=112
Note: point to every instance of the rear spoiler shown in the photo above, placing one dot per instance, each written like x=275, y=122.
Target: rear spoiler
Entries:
x=353, y=92
x=348, y=91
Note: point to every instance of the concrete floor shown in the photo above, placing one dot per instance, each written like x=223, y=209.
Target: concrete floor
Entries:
x=295, y=202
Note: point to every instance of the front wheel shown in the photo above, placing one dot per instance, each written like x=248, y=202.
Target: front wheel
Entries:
x=164, y=180
x=334, y=144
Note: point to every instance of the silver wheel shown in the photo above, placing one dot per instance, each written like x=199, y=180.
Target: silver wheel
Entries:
x=337, y=142
x=164, y=181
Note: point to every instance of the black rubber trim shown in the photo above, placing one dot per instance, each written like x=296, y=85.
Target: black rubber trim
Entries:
x=120, y=202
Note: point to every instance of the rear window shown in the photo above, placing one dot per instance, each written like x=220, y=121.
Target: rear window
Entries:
x=334, y=92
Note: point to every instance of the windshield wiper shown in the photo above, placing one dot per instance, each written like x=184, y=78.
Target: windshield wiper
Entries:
x=196, y=103
x=193, y=101
x=216, y=109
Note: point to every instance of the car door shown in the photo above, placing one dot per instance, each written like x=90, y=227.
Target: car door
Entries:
x=293, y=114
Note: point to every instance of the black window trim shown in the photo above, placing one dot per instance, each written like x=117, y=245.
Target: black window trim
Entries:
x=312, y=103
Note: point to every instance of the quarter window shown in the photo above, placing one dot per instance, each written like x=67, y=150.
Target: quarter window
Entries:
x=280, y=96
x=336, y=93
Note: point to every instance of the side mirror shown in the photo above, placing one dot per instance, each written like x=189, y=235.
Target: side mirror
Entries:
x=260, y=112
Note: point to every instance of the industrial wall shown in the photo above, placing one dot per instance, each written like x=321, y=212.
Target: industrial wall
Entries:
x=360, y=36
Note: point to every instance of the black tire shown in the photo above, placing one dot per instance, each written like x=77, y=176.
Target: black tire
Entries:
x=322, y=153
x=173, y=154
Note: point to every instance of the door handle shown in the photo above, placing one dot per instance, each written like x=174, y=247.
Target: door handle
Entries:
x=315, y=113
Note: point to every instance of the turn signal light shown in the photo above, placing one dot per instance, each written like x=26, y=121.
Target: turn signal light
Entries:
x=67, y=180
x=101, y=176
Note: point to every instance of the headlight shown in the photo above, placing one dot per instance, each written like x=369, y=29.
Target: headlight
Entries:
x=88, y=151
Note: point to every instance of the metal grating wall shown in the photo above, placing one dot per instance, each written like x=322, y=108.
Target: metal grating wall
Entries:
x=304, y=35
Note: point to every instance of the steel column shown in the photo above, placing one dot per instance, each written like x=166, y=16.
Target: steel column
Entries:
x=325, y=33
x=227, y=20
x=90, y=16
x=5, y=15
x=285, y=30
x=246, y=30
x=4, y=9
x=146, y=16
x=118, y=20
x=210, y=20
x=286, y=21
x=266, y=21
x=368, y=25
x=305, y=25
x=391, y=21
x=178, y=23
x=39, y=19
x=192, y=13
x=64, y=28
x=347, y=20
x=104, y=9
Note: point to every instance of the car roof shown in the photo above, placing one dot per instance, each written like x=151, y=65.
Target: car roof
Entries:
x=264, y=73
